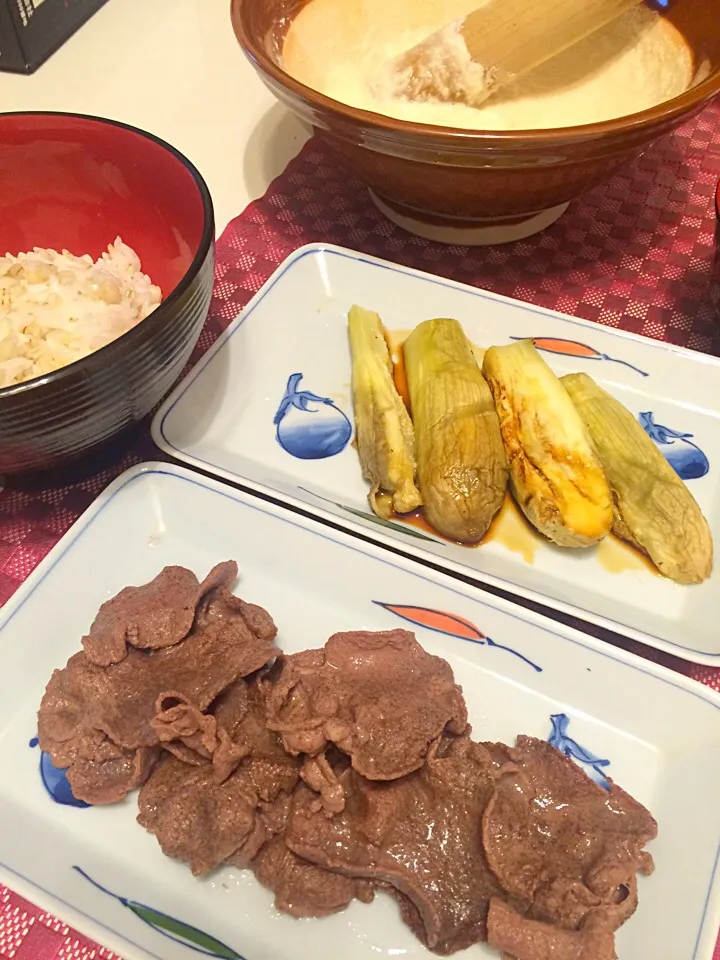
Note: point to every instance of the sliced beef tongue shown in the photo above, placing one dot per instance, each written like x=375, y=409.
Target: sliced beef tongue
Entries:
x=99, y=771
x=379, y=697
x=220, y=604
x=323, y=778
x=156, y=615
x=87, y=707
x=336, y=772
x=421, y=835
x=109, y=781
x=197, y=820
x=185, y=731
x=198, y=669
x=62, y=729
x=195, y=737
x=205, y=822
x=519, y=938
x=301, y=888
x=566, y=850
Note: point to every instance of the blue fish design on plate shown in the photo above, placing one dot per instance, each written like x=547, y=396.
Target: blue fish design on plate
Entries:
x=310, y=427
x=686, y=458
x=571, y=748
x=55, y=781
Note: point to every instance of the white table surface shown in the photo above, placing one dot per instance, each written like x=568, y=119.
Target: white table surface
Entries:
x=174, y=68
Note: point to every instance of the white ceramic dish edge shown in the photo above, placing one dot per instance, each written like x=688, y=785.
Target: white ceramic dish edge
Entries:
x=86, y=923
x=367, y=531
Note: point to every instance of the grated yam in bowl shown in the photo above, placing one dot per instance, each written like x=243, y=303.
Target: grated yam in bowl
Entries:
x=56, y=308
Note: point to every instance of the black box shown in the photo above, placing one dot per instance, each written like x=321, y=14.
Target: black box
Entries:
x=32, y=30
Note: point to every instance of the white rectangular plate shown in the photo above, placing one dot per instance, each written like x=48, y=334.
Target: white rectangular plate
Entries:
x=220, y=419
x=659, y=731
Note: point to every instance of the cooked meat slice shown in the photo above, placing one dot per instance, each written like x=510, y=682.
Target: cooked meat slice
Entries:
x=301, y=888
x=523, y=939
x=337, y=772
x=205, y=822
x=156, y=615
x=220, y=604
x=109, y=781
x=380, y=697
x=195, y=737
x=86, y=705
x=198, y=669
x=99, y=771
x=195, y=819
x=562, y=846
x=61, y=727
x=421, y=834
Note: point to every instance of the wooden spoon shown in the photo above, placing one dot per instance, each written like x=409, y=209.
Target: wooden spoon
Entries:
x=470, y=59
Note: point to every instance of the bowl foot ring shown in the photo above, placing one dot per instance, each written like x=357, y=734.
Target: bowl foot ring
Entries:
x=482, y=235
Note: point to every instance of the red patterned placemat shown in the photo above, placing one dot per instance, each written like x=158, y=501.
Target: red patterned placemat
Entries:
x=636, y=253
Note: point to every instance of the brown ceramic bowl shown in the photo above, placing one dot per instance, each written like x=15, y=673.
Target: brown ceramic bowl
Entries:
x=446, y=183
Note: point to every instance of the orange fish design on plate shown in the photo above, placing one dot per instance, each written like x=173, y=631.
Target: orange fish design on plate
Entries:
x=573, y=348
x=450, y=624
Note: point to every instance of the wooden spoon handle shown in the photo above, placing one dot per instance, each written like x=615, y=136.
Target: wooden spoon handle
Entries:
x=515, y=36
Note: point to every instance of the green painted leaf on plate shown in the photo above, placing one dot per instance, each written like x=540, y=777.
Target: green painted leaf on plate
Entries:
x=183, y=932
x=400, y=527
x=169, y=927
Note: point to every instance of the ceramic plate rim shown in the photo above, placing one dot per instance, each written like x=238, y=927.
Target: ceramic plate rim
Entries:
x=84, y=923
x=415, y=551
x=106, y=936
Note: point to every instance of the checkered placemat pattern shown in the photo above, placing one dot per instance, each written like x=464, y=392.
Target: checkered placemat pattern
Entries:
x=638, y=253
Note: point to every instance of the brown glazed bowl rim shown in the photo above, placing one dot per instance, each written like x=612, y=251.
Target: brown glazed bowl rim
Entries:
x=668, y=110
x=159, y=314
